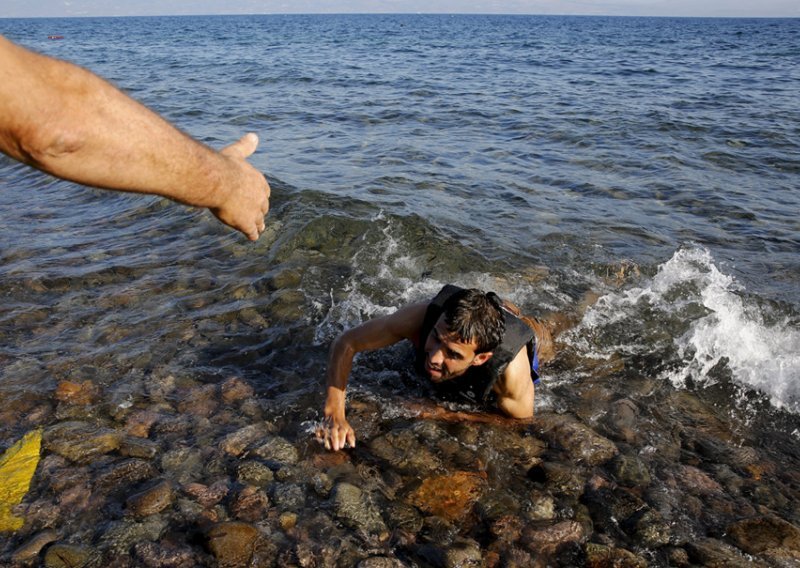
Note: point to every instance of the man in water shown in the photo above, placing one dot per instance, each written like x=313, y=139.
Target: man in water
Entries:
x=468, y=342
x=72, y=124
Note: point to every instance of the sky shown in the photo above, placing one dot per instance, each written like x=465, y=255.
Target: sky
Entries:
x=702, y=8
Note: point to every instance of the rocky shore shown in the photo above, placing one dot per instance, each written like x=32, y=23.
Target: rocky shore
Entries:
x=186, y=474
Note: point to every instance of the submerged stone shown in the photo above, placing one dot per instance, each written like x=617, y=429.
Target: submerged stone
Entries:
x=233, y=543
x=448, y=496
x=581, y=442
x=81, y=442
x=759, y=534
x=150, y=501
x=353, y=508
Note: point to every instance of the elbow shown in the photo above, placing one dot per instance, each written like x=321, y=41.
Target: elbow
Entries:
x=45, y=146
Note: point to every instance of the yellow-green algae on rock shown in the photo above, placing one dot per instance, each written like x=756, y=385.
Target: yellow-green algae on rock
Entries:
x=17, y=466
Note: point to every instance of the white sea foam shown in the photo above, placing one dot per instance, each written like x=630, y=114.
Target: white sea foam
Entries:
x=717, y=327
x=760, y=356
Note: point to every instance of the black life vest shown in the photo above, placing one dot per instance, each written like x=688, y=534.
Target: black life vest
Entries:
x=476, y=384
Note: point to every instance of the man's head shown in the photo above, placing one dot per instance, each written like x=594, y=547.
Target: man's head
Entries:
x=470, y=328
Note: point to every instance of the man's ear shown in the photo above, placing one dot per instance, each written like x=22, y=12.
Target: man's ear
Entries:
x=481, y=358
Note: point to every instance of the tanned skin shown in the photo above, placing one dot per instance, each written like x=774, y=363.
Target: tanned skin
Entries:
x=70, y=123
x=447, y=357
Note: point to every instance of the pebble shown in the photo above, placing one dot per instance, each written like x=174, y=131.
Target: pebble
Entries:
x=150, y=501
x=583, y=444
x=80, y=442
x=66, y=556
x=31, y=549
x=233, y=543
x=351, y=507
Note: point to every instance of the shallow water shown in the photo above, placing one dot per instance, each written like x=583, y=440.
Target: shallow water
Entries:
x=652, y=162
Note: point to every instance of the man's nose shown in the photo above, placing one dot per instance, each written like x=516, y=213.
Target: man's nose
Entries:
x=437, y=357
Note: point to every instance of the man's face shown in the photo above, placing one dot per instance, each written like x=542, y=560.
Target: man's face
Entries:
x=447, y=356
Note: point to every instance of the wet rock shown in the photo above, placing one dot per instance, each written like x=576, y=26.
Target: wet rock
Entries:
x=184, y=464
x=761, y=534
x=713, y=553
x=287, y=521
x=254, y=473
x=562, y=478
x=233, y=543
x=236, y=442
x=76, y=392
x=677, y=557
x=200, y=401
x=158, y=555
x=352, y=507
x=631, y=471
x=622, y=420
x=289, y=496
x=516, y=558
x=67, y=556
x=138, y=448
x=30, y=550
x=380, y=562
x=125, y=473
x=463, y=554
x=80, y=442
x=404, y=517
x=697, y=481
x=235, y=390
x=278, y=451
x=150, y=501
x=175, y=426
x=249, y=504
x=541, y=507
x=497, y=503
x=549, y=540
x=449, y=496
x=619, y=512
x=648, y=528
x=139, y=423
x=581, y=442
x=207, y=496
x=403, y=451
x=322, y=484
x=600, y=556
x=507, y=529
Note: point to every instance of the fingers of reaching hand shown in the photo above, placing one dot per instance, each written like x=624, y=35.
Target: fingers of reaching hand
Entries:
x=335, y=436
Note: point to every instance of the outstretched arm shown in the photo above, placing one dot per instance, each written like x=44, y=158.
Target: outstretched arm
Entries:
x=72, y=124
x=374, y=334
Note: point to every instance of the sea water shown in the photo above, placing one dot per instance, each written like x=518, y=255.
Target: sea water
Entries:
x=650, y=164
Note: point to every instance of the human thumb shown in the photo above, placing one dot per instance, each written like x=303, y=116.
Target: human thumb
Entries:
x=243, y=147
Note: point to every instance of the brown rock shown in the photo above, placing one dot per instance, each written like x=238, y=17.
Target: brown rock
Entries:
x=581, y=442
x=235, y=389
x=31, y=549
x=549, y=539
x=233, y=543
x=250, y=504
x=712, y=553
x=72, y=392
x=80, y=442
x=200, y=401
x=697, y=481
x=759, y=534
x=599, y=556
x=150, y=501
x=237, y=442
x=449, y=496
x=207, y=496
x=139, y=423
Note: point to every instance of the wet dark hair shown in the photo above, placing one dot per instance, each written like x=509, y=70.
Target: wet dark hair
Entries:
x=474, y=315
